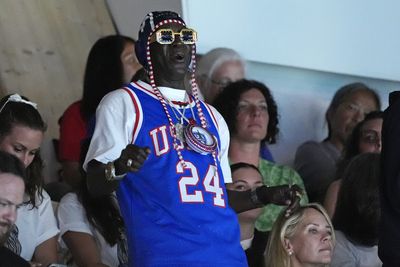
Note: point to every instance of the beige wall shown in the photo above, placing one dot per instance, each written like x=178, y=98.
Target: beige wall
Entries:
x=128, y=14
x=43, y=49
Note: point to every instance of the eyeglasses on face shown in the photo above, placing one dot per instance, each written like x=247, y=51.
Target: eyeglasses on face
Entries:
x=221, y=83
x=167, y=36
x=370, y=137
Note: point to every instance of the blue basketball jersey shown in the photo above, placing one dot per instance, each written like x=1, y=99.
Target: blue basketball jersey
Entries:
x=174, y=215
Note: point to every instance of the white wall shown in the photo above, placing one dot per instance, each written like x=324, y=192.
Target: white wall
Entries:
x=357, y=37
x=303, y=97
x=128, y=14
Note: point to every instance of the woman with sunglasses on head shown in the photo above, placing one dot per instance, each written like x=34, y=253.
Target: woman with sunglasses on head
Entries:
x=302, y=238
x=21, y=133
x=366, y=137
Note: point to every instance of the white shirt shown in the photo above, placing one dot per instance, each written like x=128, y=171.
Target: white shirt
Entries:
x=115, y=117
x=72, y=217
x=246, y=243
x=35, y=226
x=347, y=254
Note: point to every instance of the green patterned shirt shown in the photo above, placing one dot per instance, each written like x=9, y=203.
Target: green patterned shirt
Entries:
x=274, y=174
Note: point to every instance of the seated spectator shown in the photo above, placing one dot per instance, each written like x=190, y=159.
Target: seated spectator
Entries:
x=316, y=161
x=252, y=118
x=21, y=133
x=92, y=228
x=218, y=68
x=302, y=238
x=366, y=137
x=247, y=177
x=110, y=64
x=357, y=214
x=12, y=187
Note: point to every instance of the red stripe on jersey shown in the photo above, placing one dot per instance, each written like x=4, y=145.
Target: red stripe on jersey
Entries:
x=135, y=104
x=212, y=115
x=148, y=91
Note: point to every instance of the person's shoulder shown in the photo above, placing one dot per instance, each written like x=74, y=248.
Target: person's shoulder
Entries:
x=115, y=95
x=9, y=258
x=277, y=169
x=74, y=107
x=69, y=205
x=310, y=145
x=270, y=164
x=70, y=197
x=214, y=112
x=44, y=198
x=342, y=244
x=72, y=112
x=312, y=150
x=115, y=100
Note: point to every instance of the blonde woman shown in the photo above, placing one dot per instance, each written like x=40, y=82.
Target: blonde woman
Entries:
x=305, y=237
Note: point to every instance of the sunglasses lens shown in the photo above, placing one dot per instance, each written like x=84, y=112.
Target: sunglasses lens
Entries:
x=165, y=36
x=188, y=36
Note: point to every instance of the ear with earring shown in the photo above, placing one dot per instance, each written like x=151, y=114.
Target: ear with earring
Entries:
x=288, y=247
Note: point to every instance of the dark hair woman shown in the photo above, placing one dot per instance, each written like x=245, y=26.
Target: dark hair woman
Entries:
x=21, y=133
x=111, y=64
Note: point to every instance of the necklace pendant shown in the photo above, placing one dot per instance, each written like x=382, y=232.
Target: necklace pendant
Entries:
x=179, y=129
x=200, y=139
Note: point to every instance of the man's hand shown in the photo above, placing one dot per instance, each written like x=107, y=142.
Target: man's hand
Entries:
x=284, y=195
x=131, y=159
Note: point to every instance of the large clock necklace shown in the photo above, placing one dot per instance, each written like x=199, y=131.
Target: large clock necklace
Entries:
x=189, y=133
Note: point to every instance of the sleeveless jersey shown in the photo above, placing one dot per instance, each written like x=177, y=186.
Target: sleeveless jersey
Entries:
x=176, y=216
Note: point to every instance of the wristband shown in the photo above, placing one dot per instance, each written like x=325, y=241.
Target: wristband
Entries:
x=254, y=198
x=109, y=172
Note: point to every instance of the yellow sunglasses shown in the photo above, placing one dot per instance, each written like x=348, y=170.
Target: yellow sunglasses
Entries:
x=167, y=36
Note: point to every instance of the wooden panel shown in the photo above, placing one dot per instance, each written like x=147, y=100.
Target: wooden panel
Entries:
x=43, y=49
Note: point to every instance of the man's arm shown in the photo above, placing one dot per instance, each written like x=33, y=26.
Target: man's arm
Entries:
x=100, y=183
x=96, y=181
x=284, y=195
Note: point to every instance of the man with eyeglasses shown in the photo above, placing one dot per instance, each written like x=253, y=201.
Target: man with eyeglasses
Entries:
x=12, y=187
x=165, y=153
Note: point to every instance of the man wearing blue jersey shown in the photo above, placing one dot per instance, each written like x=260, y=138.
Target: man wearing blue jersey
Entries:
x=165, y=154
